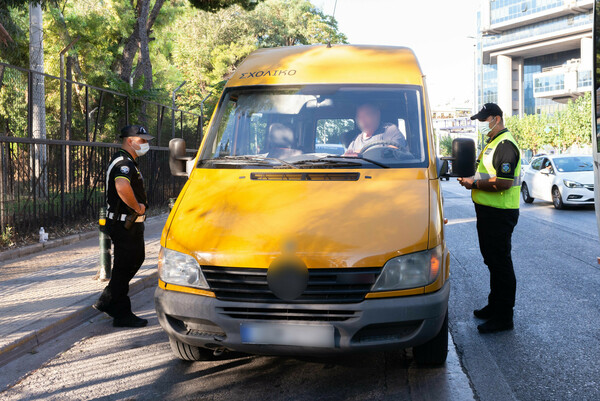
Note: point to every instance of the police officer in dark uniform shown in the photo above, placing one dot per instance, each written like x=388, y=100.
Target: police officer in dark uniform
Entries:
x=495, y=190
x=127, y=203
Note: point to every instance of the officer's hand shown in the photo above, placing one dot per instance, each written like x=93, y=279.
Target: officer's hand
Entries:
x=466, y=182
x=141, y=209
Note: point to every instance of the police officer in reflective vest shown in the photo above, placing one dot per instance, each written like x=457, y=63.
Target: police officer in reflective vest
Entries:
x=495, y=190
x=127, y=203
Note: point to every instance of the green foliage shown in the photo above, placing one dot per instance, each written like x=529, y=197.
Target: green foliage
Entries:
x=330, y=131
x=198, y=41
x=210, y=46
x=215, y=5
x=567, y=127
x=446, y=146
x=7, y=237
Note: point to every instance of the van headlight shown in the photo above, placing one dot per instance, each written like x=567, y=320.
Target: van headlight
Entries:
x=572, y=184
x=180, y=269
x=409, y=271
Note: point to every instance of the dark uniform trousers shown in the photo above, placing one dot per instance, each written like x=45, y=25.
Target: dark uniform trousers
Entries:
x=129, y=254
x=494, y=228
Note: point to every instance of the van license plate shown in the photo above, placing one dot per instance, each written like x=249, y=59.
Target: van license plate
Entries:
x=288, y=334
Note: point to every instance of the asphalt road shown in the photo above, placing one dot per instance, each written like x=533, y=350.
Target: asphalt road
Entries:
x=551, y=355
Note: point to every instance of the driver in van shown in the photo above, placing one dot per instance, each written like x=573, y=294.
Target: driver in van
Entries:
x=368, y=118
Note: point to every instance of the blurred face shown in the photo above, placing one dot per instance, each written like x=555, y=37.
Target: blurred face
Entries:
x=367, y=118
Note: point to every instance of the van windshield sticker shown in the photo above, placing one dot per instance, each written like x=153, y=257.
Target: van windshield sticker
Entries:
x=268, y=73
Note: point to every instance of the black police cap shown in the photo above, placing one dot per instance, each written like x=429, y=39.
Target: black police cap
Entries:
x=135, y=130
x=488, y=109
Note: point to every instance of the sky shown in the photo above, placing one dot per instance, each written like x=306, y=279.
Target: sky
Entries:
x=436, y=30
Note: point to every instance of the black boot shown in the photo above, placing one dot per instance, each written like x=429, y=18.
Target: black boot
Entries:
x=104, y=303
x=484, y=313
x=495, y=325
x=129, y=321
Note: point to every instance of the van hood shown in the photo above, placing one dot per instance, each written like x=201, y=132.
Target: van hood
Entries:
x=225, y=218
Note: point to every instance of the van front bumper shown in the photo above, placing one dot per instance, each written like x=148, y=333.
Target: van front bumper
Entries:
x=372, y=324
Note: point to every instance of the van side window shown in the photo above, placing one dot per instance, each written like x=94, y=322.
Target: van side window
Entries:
x=224, y=143
x=537, y=163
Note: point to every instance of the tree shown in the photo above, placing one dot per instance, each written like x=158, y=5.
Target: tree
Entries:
x=445, y=145
x=570, y=126
x=211, y=46
x=216, y=5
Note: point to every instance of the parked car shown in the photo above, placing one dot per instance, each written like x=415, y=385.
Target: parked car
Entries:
x=562, y=180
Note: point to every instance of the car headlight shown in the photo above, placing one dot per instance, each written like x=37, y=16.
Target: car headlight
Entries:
x=410, y=271
x=180, y=269
x=572, y=184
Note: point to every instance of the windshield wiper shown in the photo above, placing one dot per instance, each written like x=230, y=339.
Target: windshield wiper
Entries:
x=253, y=158
x=358, y=158
x=323, y=161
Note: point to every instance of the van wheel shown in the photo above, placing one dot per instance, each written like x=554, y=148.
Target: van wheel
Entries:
x=190, y=352
x=525, y=193
x=435, y=351
x=557, y=198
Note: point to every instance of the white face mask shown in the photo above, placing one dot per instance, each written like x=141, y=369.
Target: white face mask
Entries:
x=144, y=148
x=484, y=127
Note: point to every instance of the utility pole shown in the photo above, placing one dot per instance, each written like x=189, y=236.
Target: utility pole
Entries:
x=37, y=98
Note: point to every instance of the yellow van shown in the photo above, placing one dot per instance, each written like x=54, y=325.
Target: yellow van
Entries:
x=311, y=222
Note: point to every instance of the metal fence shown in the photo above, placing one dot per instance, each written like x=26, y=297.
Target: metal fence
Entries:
x=58, y=179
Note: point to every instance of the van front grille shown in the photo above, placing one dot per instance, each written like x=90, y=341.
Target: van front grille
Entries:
x=313, y=315
x=339, y=285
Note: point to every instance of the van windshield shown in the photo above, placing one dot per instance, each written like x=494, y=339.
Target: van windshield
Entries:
x=318, y=126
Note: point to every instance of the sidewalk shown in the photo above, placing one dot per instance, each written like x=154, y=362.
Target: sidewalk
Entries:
x=45, y=294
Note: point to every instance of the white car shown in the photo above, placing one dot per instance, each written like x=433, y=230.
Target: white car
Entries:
x=562, y=180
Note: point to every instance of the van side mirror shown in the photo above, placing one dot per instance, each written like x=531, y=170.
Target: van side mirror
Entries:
x=463, y=159
x=178, y=160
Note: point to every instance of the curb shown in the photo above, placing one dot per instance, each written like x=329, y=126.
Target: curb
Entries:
x=55, y=243
x=26, y=344
x=35, y=248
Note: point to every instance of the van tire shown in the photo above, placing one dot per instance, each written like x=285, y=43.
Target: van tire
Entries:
x=190, y=352
x=435, y=351
x=525, y=193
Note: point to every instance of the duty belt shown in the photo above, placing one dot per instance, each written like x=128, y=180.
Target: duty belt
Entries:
x=122, y=217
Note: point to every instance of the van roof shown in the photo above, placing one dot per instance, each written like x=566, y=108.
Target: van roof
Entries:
x=320, y=64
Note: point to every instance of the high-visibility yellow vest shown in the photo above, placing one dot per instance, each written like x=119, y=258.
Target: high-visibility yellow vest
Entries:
x=507, y=199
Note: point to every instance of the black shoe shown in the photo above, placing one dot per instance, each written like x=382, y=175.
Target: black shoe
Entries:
x=484, y=313
x=129, y=321
x=102, y=307
x=495, y=325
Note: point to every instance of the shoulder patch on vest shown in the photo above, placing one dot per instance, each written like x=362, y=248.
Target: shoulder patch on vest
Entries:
x=124, y=169
x=505, y=167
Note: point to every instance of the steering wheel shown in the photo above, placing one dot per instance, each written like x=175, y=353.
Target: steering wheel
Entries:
x=385, y=152
x=379, y=144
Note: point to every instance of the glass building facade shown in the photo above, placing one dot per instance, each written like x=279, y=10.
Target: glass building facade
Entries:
x=529, y=53
x=554, y=81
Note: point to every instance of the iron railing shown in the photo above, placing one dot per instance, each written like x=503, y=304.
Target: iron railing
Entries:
x=58, y=179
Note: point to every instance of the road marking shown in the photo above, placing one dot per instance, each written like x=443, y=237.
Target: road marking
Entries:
x=461, y=221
